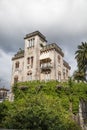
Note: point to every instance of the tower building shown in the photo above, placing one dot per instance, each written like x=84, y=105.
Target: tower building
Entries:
x=39, y=61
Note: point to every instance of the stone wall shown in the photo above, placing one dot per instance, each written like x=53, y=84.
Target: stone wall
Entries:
x=83, y=114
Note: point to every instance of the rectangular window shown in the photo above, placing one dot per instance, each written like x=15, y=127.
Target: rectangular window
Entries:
x=32, y=62
x=17, y=65
x=29, y=76
x=66, y=72
x=59, y=76
x=27, y=44
x=31, y=42
x=47, y=76
x=28, y=60
x=15, y=79
x=59, y=59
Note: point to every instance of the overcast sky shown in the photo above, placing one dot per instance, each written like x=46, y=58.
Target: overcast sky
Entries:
x=61, y=21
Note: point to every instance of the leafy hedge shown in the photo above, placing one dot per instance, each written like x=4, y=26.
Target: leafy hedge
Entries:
x=43, y=106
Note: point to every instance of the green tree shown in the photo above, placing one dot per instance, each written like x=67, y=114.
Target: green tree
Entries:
x=78, y=75
x=3, y=113
x=81, y=57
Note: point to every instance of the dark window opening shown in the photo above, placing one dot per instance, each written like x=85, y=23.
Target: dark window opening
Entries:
x=17, y=64
x=16, y=79
x=28, y=60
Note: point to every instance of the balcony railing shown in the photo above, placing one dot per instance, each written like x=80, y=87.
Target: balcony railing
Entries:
x=46, y=68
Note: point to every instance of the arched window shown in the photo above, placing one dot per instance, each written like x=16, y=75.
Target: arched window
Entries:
x=17, y=64
x=29, y=76
x=16, y=79
x=59, y=59
x=28, y=60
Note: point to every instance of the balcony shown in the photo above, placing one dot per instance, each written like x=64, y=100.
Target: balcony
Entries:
x=45, y=68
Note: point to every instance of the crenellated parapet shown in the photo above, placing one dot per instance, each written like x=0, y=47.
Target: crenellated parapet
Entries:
x=19, y=54
x=66, y=64
x=51, y=47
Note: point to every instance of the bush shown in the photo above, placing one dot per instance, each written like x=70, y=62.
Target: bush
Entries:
x=43, y=106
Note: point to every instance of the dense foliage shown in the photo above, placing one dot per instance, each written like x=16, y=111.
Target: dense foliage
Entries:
x=43, y=106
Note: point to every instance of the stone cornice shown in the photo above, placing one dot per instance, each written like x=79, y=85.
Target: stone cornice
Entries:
x=3, y=89
x=20, y=54
x=66, y=64
x=34, y=34
x=52, y=46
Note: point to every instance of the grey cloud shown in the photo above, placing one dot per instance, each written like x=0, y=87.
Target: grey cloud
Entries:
x=5, y=68
x=10, y=43
x=57, y=18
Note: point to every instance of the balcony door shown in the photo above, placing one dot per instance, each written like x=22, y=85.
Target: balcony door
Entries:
x=29, y=76
x=47, y=76
x=59, y=76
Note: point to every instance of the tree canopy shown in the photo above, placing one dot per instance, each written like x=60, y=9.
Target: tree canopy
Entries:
x=81, y=57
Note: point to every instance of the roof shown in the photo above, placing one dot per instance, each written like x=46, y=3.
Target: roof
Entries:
x=19, y=54
x=66, y=64
x=3, y=89
x=34, y=34
x=52, y=46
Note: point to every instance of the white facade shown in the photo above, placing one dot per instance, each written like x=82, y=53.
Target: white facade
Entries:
x=39, y=61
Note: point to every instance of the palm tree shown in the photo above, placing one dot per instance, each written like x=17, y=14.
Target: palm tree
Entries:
x=81, y=57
